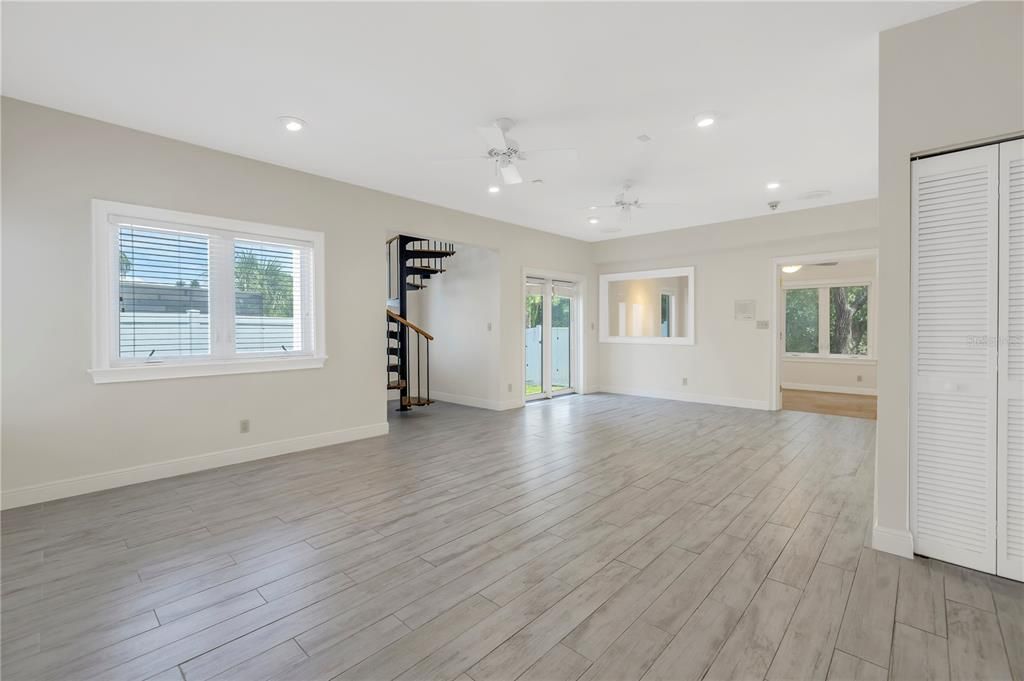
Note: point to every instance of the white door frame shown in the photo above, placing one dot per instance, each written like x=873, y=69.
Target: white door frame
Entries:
x=777, y=315
x=576, y=340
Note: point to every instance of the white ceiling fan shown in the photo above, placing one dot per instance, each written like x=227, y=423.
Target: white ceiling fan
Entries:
x=505, y=152
x=626, y=205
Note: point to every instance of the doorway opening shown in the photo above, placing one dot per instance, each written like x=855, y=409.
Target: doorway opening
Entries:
x=825, y=339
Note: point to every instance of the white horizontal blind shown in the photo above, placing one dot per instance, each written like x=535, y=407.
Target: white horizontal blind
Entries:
x=1011, y=366
x=163, y=293
x=272, y=297
x=954, y=321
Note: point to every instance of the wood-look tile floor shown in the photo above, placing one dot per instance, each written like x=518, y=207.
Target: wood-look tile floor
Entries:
x=598, y=537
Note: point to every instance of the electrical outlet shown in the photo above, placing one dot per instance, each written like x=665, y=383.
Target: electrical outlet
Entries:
x=685, y=380
x=488, y=326
x=859, y=378
x=510, y=387
x=243, y=426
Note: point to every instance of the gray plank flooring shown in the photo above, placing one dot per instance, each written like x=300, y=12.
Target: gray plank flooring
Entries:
x=597, y=537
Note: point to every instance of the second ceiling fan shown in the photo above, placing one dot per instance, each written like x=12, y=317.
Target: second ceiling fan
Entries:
x=626, y=205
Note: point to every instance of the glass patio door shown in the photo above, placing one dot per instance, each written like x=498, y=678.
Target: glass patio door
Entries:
x=549, y=338
x=534, y=339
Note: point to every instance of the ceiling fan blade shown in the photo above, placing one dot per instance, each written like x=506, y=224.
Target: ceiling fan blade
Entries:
x=463, y=159
x=598, y=207
x=493, y=136
x=510, y=174
x=549, y=155
x=644, y=204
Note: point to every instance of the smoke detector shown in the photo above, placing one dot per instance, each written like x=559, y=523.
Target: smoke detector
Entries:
x=773, y=204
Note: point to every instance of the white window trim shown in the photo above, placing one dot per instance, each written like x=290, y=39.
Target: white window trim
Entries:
x=106, y=368
x=605, y=279
x=823, y=355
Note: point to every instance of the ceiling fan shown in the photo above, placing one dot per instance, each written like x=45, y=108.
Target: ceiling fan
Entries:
x=505, y=152
x=625, y=205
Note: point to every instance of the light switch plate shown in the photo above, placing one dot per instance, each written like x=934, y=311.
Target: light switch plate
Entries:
x=762, y=323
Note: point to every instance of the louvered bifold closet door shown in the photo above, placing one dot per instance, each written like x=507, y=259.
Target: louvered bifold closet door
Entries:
x=1010, y=540
x=954, y=262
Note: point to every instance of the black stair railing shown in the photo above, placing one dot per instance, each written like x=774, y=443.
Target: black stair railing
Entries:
x=411, y=262
x=412, y=369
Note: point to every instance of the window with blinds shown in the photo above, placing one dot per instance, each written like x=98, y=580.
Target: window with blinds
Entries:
x=163, y=293
x=176, y=289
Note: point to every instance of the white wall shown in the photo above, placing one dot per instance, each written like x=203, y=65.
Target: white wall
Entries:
x=848, y=376
x=730, y=363
x=64, y=435
x=456, y=308
x=947, y=80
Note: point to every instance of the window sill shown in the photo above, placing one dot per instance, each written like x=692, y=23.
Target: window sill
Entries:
x=822, y=359
x=152, y=372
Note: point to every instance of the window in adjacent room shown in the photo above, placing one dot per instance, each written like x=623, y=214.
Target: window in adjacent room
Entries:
x=802, y=320
x=183, y=295
x=828, y=321
x=848, y=320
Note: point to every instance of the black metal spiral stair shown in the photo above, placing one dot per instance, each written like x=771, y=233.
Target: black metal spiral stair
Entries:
x=412, y=261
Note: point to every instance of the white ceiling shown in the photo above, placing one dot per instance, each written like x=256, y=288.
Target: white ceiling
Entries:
x=387, y=89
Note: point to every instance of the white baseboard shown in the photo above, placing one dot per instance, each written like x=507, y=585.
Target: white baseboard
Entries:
x=689, y=397
x=70, y=487
x=830, y=389
x=479, y=403
x=464, y=400
x=893, y=540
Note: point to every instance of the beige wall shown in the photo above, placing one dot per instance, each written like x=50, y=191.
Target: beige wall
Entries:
x=948, y=80
x=838, y=376
x=59, y=426
x=730, y=362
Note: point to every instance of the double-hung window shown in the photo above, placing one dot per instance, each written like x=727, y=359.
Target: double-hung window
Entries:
x=178, y=294
x=828, y=321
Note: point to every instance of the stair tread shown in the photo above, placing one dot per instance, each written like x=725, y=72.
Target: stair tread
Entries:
x=416, y=401
x=396, y=385
x=428, y=253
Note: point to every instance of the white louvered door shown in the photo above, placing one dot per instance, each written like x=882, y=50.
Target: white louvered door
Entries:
x=954, y=261
x=1010, y=475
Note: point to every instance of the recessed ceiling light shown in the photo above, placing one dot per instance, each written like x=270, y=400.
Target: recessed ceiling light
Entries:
x=494, y=189
x=593, y=208
x=292, y=124
x=593, y=221
x=790, y=269
x=773, y=185
x=643, y=138
x=705, y=120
